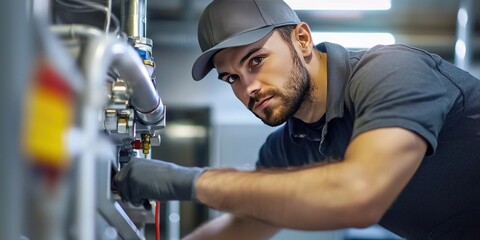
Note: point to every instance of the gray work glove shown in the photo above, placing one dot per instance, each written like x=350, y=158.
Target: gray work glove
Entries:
x=145, y=179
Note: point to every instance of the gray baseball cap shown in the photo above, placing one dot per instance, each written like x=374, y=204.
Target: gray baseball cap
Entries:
x=233, y=23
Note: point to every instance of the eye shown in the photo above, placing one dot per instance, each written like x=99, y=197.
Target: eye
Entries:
x=256, y=61
x=232, y=78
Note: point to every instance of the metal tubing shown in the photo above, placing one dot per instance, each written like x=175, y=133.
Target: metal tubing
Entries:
x=463, y=45
x=16, y=54
x=153, y=117
x=126, y=61
x=144, y=98
x=74, y=30
x=134, y=17
x=173, y=220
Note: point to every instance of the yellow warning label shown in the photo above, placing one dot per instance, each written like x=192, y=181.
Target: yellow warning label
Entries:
x=49, y=116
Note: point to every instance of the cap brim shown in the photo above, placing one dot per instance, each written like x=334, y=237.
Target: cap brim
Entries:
x=203, y=65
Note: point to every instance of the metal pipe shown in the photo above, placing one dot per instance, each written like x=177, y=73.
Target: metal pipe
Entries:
x=74, y=30
x=16, y=50
x=134, y=17
x=144, y=97
x=109, y=51
x=173, y=220
x=463, y=45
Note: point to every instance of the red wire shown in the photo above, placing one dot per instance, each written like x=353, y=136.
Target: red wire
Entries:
x=157, y=220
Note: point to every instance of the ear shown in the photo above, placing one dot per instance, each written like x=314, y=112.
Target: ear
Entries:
x=303, y=37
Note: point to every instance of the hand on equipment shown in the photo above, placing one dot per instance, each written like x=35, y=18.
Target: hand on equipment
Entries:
x=145, y=179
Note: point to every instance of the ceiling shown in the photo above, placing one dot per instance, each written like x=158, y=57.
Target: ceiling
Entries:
x=428, y=24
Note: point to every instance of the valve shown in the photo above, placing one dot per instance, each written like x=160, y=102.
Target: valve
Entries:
x=146, y=143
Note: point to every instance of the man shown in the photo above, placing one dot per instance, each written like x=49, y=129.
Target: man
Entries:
x=389, y=135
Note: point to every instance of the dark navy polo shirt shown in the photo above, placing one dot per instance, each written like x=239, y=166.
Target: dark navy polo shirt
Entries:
x=399, y=86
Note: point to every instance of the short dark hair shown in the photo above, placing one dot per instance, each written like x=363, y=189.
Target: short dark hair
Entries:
x=286, y=32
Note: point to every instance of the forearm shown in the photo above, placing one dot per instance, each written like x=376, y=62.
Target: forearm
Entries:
x=355, y=192
x=308, y=198
x=233, y=227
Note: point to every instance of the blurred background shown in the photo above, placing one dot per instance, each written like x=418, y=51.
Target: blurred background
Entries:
x=205, y=124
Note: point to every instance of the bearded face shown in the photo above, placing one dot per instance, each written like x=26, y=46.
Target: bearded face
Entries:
x=291, y=97
x=268, y=77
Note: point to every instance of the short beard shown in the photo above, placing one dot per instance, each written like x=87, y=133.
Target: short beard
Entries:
x=296, y=91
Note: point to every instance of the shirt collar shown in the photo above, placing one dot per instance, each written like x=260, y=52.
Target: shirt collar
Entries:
x=338, y=72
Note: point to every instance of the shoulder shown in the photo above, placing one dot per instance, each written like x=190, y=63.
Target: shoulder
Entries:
x=393, y=67
x=383, y=60
x=398, y=53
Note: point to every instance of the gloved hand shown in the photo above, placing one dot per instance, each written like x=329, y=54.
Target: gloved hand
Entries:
x=145, y=179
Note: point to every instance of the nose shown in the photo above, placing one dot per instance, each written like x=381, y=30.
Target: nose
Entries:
x=252, y=86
